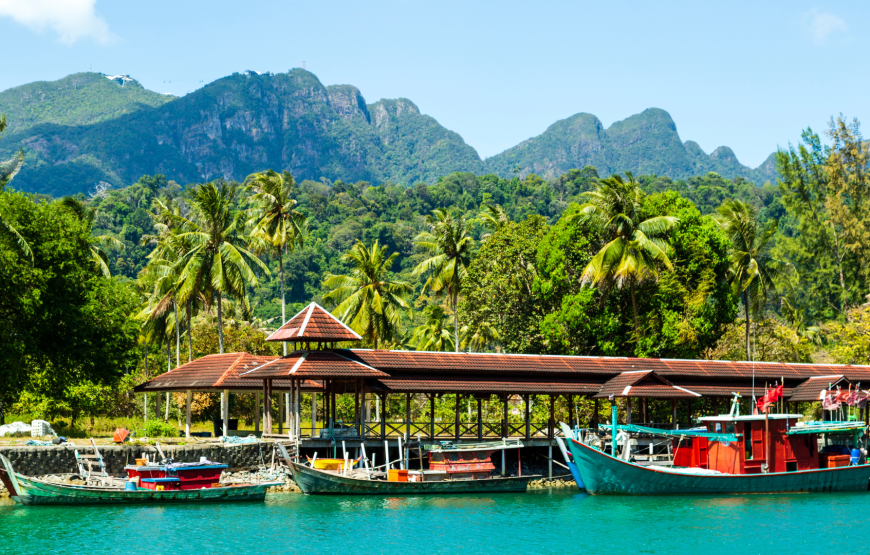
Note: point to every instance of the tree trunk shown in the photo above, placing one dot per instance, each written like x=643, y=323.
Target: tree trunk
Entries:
x=189, y=336
x=283, y=305
x=177, y=334
x=220, y=325
x=746, y=309
x=168, y=368
x=634, y=307
x=844, y=294
x=2, y=415
x=454, y=299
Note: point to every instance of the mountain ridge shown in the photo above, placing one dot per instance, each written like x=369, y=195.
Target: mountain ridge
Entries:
x=86, y=128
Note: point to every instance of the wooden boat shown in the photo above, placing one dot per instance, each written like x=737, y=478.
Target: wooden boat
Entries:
x=33, y=491
x=332, y=464
x=730, y=454
x=320, y=482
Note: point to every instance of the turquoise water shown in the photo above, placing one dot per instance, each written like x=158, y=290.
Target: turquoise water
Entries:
x=556, y=521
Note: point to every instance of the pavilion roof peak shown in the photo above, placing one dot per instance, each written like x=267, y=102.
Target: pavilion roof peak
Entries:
x=314, y=323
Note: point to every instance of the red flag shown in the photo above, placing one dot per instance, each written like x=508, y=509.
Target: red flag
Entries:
x=764, y=402
x=842, y=396
x=777, y=393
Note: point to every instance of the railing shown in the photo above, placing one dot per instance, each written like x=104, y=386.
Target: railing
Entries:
x=443, y=430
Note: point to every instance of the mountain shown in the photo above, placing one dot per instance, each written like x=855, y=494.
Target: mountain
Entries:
x=89, y=128
x=645, y=143
x=230, y=128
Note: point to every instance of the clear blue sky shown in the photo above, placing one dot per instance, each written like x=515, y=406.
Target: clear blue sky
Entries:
x=749, y=75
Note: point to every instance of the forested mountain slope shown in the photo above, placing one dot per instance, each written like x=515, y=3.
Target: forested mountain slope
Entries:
x=645, y=143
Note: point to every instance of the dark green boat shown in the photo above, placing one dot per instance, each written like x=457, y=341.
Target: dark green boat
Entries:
x=604, y=474
x=319, y=482
x=33, y=491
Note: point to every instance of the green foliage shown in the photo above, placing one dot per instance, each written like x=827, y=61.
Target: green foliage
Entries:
x=850, y=340
x=158, y=428
x=771, y=341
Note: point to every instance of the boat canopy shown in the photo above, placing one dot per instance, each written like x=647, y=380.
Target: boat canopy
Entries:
x=825, y=428
x=673, y=433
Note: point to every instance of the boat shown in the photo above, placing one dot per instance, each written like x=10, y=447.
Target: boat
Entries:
x=453, y=468
x=332, y=464
x=569, y=460
x=34, y=491
x=730, y=454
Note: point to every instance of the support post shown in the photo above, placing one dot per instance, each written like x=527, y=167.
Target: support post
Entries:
x=570, y=399
x=613, y=416
x=527, y=398
x=383, y=416
x=504, y=416
x=356, y=406
x=456, y=424
x=550, y=459
x=479, y=420
x=407, y=416
x=281, y=413
x=594, y=423
x=628, y=410
x=674, y=415
x=226, y=411
x=313, y=414
x=432, y=416
x=257, y=409
x=187, y=413
x=551, y=424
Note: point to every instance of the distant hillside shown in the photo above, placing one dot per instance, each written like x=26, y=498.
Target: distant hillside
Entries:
x=85, y=128
x=78, y=99
x=237, y=125
x=646, y=143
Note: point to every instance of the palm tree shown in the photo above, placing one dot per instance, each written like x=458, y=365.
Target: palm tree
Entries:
x=494, y=218
x=86, y=216
x=368, y=300
x=8, y=170
x=216, y=261
x=433, y=335
x=450, y=245
x=635, y=247
x=753, y=271
x=278, y=225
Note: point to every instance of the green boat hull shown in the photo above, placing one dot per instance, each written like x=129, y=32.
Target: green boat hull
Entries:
x=318, y=482
x=603, y=474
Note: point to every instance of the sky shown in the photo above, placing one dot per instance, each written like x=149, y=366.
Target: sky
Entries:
x=749, y=75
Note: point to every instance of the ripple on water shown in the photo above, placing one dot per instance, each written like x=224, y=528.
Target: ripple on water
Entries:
x=536, y=522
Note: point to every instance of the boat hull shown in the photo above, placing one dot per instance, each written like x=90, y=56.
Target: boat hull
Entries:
x=603, y=474
x=317, y=482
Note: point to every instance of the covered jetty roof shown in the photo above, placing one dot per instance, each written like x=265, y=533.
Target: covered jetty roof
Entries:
x=455, y=384
x=314, y=323
x=316, y=365
x=217, y=372
x=643, y=383
x=816, y=387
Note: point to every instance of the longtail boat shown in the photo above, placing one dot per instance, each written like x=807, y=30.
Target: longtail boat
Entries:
x=769, y=453
x=34, y=491
x=453, y=468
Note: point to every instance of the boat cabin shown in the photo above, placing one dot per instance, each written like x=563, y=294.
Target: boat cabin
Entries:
x=771, y=443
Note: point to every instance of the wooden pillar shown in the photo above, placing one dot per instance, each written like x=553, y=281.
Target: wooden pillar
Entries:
x=644, y=404
x=479, y=420
x=569, y=399
x=527, y=398
x=313, y=414
x=157, y=411
x=226, y=411
x=456, y=423
x=674, y=412
x=689, y=413
x=257, y=407
x=332, y=402
x=551, y=423
x=594, y=422
x=187, y=413
x=504, y=415
x=356, y=406
x=383, y=416
x=407, y=416
x=432, y=416
x=281, y=415
x=628, y=410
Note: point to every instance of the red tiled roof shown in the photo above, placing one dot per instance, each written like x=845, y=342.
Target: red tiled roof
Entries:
x=643, y=383
x=816, y=387
x=720, y=388
x=314, y=365
x=438, y=384
x=217, y=372
x=314, y=323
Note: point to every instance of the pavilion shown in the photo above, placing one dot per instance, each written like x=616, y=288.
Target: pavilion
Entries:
x=320, y=363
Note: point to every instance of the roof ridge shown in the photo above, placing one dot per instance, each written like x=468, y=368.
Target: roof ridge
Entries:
x=230, y=369
x=337, y=319
x=298, y=363
x=307, y=318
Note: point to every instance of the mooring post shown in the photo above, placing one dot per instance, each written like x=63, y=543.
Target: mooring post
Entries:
x=313, y=414
x=281, y=415
x=528, y=398
x=479, y=421
x=503, y=469
x=613, y=428
x=225, y=397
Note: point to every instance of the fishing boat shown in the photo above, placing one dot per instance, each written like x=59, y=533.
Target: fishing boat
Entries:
x=34, y=491
x=452, y=468
x=759, y=453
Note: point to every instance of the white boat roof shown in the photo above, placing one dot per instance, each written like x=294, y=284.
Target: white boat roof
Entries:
x=747, y=417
